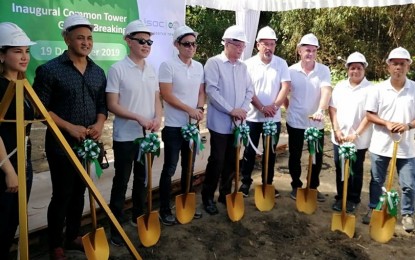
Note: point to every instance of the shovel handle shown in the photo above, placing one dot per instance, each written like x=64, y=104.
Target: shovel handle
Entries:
x=189, y=168
x=267, y=142
x=345, y=184
x=393, y=164
x=91, y=199
x=149, y=181
x=310, y=170
x=237, y=151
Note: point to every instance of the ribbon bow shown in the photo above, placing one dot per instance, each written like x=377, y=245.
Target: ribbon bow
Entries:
x=347, y=151
x=312, y=135
x=270, y=128
x=391, y=198
x=148, y=144
x=241, y=135
x=191, y=133
x=89, y=151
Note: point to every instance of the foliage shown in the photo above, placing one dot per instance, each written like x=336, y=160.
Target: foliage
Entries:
x=341, y=31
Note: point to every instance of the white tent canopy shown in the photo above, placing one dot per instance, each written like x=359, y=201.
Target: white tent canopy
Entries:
x=248, y=11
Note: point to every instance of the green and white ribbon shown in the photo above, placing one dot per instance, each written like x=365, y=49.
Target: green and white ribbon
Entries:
x=347, y=151
x=148, y=144
x=391, y=198
x=241, y=135
x=89, y=151
x=270, y=128
x=312, y=135
x=191, y=133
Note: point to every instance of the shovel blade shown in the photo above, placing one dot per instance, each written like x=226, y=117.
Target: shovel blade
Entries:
x=264, y=197
x=306, y=200
x=149, y=229
x=185, y=207
x=96, y=245
x=345, y=224
x=235, y=206
x=382, y=226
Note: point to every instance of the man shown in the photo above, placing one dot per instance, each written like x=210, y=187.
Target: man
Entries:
x=230, y=91
x=181, y=86
x=309, y=98
x=271, y=80
x=72, y=88
x=350, y=124
x=133, y=96
x=391, y=108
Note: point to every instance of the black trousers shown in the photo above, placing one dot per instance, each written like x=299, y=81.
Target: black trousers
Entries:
x=221, y=165
x=295, y=148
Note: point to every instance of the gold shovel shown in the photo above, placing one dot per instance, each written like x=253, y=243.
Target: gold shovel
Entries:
x=186, y=203
x=265, y=193
x=342, y=221
x=382, y=224
x=306, y=200
x=149, y=224
x=235, y=201
x=95, y=242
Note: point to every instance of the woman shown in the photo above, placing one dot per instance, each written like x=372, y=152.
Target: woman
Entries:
x=349, y=123
x=14, y=59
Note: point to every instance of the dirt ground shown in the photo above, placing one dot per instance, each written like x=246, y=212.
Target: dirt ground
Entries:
x=282, y=233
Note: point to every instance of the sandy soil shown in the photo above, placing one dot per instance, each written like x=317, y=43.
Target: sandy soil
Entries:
x=282, y=233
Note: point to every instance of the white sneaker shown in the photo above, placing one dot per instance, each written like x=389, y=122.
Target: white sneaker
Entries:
x=408, y=223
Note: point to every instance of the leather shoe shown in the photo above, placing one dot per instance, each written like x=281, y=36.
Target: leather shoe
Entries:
x=210, y=207
x=75, y=244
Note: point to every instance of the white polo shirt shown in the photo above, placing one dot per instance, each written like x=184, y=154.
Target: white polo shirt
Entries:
x=186, y=82
x=137, y=93
x=305, y=95
x=394, y=106
x=267, y=79
x=350, y=105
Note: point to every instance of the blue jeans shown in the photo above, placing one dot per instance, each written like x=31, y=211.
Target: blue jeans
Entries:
x=406, y=171
x=174, y=145
x=255, y=131
x=355, y=182
x=125, y=157
x=295, y=148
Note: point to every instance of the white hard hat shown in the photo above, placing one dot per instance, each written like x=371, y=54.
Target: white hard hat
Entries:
x=75, y=20
x=182, y=31
x=13, y=35
x=135, y=27
x=309, y=39
x=399, y=53
x=235, y=32
x=356, y=57
x=266, y=33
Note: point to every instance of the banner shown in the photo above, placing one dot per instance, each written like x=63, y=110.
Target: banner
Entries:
x=162, y=17
x=42, y=20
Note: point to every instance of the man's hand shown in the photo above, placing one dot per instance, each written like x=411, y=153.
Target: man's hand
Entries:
x=238, y=114
x=95, y=131
x=318, y=115
x=196, y=114
x=78, y=132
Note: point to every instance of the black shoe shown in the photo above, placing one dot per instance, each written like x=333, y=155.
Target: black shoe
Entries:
x=167, y=218
x=350, y=206
x=210, y=207
x=75, y=244
x=277, y=193
x=198, y=214
x=116, y=240
x=244, y=189
x=337, y=206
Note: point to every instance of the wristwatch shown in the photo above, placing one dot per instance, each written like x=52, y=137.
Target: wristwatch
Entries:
x=409, y=126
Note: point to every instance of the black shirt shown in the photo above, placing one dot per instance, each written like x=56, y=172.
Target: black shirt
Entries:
x=74, y=97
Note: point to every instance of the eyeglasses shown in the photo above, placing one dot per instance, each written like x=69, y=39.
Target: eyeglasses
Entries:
x=239, y=45
x=188, y=44
x=142, y=41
